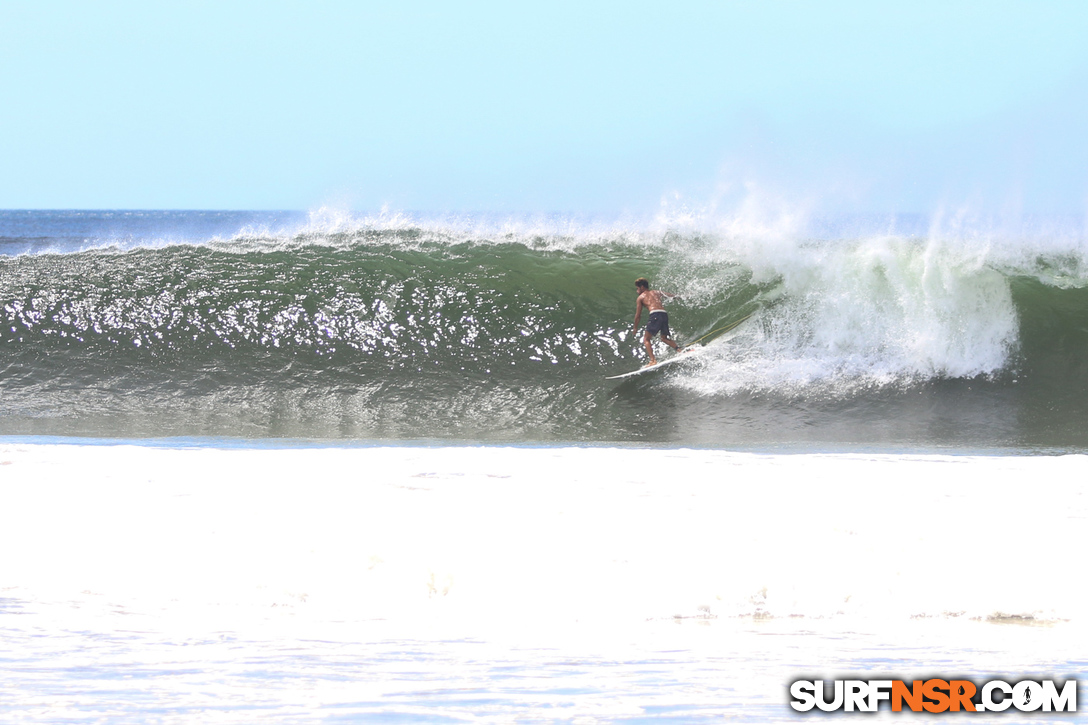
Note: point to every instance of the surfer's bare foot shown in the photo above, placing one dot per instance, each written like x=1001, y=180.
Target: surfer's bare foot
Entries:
x=652, y=362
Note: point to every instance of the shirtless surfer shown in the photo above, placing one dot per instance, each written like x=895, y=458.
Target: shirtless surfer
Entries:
x=654, y=300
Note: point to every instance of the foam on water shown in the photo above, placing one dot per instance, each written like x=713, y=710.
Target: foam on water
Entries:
x=498, y=584
x=492, y=537
x=880, y=311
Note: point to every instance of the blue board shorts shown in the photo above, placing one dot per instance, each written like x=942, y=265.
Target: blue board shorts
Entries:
x=659, y=322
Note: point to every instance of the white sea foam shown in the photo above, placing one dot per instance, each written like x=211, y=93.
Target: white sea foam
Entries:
x=484, y=536
x=857, y=313
x=514, y=584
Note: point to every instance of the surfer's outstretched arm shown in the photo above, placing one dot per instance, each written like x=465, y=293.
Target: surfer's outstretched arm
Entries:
x=638, y=314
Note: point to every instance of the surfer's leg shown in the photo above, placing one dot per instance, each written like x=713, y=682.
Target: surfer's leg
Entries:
x=649, y=347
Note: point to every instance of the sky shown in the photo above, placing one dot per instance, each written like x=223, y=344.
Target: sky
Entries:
x=551, y=106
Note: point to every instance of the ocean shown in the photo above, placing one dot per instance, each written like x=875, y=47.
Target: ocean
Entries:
x=895, y=334
x=327, y=467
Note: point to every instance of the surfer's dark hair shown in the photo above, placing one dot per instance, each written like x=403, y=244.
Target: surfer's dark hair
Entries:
x=642, y=282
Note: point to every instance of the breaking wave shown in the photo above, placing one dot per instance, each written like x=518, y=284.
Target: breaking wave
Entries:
x=335, y=327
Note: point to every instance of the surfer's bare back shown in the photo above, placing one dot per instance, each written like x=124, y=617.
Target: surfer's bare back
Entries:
x=654, y=301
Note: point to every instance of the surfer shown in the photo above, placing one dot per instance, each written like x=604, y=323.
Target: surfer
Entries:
x=654, y=301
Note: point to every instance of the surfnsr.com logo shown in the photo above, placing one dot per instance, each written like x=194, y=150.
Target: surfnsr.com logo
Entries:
x=934, y=695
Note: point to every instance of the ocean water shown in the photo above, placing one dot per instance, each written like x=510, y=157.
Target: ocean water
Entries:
x=892, y=333
x=322, y=467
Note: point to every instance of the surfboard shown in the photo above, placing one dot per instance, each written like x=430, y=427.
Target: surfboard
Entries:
x=718, y=336
x=691, y=354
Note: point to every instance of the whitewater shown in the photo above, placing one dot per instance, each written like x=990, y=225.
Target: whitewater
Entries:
x=434, y=585
x=326, y=467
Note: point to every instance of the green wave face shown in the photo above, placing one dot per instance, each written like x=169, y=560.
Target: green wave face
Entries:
x=400, y=334
x=368, y=307
x=364, y=340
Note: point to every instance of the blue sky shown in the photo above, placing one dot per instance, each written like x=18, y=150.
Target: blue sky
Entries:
x=598, y=107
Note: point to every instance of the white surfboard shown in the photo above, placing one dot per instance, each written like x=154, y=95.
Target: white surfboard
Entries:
x=690, y=354
x=723, y=334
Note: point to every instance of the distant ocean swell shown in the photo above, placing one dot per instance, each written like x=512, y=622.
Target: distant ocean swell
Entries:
x=418, y=333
